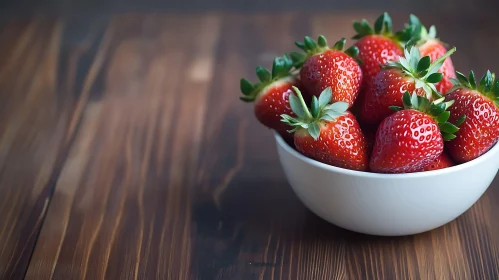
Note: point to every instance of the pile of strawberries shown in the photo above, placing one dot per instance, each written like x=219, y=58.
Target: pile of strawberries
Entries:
x=391, y=103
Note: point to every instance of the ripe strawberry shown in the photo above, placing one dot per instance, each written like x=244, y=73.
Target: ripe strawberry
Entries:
x=411, y=73
x=480, y=130
x=443, y=161
x=413, y=137
x=327, y=132
x=324, y=67
x=271, y=93
x=430, y=45
x=376, y=46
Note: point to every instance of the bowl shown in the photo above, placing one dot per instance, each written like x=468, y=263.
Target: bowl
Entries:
x=387, y=204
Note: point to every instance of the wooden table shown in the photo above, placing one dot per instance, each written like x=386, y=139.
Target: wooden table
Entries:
x=126, y=154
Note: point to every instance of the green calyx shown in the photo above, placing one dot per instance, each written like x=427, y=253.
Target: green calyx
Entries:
x=421, y=69
x=382, y=26
x=310, y=118
x=312, y=47
x=487, y=86
x=417, y=34
x=436, y=109
x=281, y=68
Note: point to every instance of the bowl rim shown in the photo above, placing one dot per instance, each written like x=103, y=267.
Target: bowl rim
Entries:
x=490, y=153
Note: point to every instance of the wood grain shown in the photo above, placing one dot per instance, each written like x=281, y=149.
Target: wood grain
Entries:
x=126, y=154
x=31, y=129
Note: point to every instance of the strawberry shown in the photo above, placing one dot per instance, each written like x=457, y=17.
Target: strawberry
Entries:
x=443, y=161
x=480, y=130
x=327, y=132
x=430, y=45
x=376, y=46
x=413, y=137
x=324, y=67
x=270, y=95
x=411, y=73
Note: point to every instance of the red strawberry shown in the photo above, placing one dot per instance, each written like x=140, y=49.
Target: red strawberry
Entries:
x=431, y=46
x=270, y=95
x=370, y=134
x=412, y=138
x=376, y=46
x=480, y=130
x=411, y=73
x=325, y=67
x=327, y=132
x=443, y=161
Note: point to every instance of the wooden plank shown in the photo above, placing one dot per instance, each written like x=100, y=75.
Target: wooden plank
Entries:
x=121, y=208
x=34, y=138
x=31, y=126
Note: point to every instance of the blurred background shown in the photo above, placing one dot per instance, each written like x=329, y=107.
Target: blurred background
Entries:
x=484, y=8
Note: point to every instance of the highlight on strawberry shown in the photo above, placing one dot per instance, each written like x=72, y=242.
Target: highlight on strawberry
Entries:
x=323, y=67
x=328, y=133
x=479, y=102
x=413, y=138
x=411, y=73
x=270, y=94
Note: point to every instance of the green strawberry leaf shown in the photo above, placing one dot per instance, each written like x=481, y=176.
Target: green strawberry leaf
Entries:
x=448, y=128
x=423, y=64
x=448, y=136
x=486, y=82
x=339, y=107
x=298, y=59
x=314, y=130
x=325, y=97
x=327, y=117
x=263, y=74
x=340, y=44
x=383, y=24
x=300, y=45
x=246, y=86
x=435, y=78
x=333, y=114
x=406, y=99
x=432, y=33
x=310, y=43
x=281, y=66
x=414, y=100
x=378, y=24
x=438, y=110
x=415, y=57
x=246, y=98
x=443, y=117
x=296, y=106
x=314, y=107
x=461, y=120
x=472, y=80
x=353, y=52
x=395, y=108
x=322, y=41
x=495, y=89
x=462, y=79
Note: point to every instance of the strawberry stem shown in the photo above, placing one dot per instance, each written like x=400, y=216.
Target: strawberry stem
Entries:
x=303, y=103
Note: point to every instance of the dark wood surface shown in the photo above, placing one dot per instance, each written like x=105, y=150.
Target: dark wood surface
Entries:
x=126, y=154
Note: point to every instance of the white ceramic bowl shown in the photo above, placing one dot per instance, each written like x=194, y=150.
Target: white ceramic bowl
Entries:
x=387, y=204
